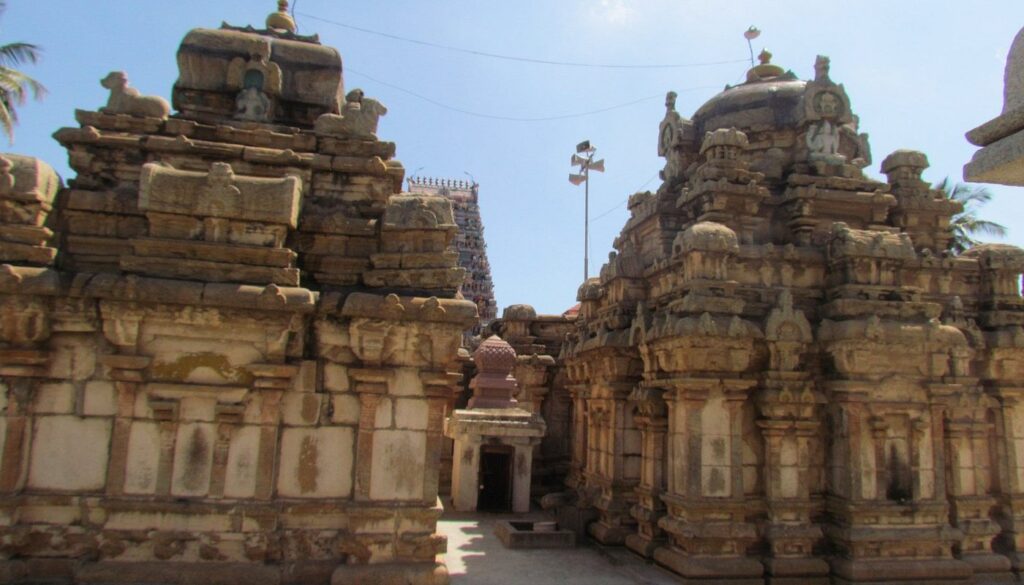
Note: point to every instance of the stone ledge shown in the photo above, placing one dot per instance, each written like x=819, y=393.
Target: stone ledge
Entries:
x=515, y=535
x=1000, y=162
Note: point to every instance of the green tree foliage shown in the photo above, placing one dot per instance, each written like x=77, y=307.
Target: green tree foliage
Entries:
x=15, y=86
x=967, y=224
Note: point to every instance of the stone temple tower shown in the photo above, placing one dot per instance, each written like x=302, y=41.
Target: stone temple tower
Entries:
x=782, y=375
x=226, y=348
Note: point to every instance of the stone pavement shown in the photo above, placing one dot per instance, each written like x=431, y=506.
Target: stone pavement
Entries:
x=476, y=557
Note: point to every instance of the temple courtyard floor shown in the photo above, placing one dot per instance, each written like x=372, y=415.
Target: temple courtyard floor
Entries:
x=476, y=557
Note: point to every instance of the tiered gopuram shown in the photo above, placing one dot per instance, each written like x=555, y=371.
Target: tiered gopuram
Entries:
x=226, y=347
x=781, y=375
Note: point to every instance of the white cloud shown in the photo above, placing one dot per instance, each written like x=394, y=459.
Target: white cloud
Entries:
x=613, y=11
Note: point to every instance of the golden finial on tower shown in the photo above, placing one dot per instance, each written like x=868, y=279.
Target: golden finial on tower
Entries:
x=765, y=69
x=281, y=20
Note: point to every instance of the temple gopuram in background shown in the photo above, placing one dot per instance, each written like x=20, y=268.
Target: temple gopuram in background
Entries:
x=783, y=376
x=227, y=346
x=469, y=244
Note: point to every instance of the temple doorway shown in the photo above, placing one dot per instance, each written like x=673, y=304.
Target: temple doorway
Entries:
x=495, y=478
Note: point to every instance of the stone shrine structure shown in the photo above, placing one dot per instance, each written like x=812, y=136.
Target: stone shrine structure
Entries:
x=494, y=438
x=543, y=388
x=781, y=375
x=226, y=348
x=469, y=244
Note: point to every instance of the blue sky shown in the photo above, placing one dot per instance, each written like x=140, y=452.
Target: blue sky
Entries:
x=919, y=74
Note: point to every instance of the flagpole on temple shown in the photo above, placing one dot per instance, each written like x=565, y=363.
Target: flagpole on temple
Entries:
x=585, y=162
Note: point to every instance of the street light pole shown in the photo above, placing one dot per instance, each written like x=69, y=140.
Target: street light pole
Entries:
x=586, y=163
x=586, y=218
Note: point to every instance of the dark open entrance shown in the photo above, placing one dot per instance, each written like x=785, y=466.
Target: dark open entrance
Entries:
x=495, y=478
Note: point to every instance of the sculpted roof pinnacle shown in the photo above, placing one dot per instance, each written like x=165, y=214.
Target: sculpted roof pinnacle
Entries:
x=281, y=20
x=765, y=70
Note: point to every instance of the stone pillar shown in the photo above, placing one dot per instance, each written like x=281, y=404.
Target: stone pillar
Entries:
x=370, y=385
x=127, y=374
x=652, y=420
x=789, y=427
x=465, y=471
x=20, y=371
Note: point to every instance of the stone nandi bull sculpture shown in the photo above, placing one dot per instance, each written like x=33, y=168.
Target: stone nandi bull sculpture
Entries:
x=128, y=100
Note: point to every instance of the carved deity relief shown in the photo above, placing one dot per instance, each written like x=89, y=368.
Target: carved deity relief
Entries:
x=670, y=134
x=823, y=140
x=257, y=80
x=252, y=105
x=828, y=104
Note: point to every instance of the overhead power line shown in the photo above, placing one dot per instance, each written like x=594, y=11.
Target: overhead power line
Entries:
x=619, y=204
x=515, y=118
x=488, y=54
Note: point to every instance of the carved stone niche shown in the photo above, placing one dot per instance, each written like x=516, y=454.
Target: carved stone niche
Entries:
x=788, y=333
x=216, y=226
x=706, y=249
x=221, y=70
x=396, y=331
x=258, y=82
x=1001, y=267
x=866, y=257
x=921, y=211
x=724, y=147
x=517, y=319
x=27, y=190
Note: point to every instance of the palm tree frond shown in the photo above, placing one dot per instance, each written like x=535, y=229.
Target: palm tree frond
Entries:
x=966, y=224
x=15, y=85
x=19, y=53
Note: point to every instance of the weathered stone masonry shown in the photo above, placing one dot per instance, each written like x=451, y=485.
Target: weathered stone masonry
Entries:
x=226, y=348
x=781, y=376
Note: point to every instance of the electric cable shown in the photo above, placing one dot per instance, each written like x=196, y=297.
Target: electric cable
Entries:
x=515, y=118
x=517, y=58
x=617, y=205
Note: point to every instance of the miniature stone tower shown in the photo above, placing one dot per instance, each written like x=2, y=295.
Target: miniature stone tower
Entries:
x=494, y=439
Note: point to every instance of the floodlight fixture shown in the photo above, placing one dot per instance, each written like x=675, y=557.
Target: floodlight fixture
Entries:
x=751, y=34
x=586, y=163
